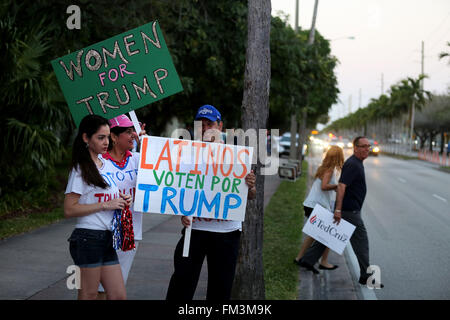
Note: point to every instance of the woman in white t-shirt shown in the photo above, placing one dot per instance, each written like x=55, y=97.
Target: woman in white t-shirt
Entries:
x=123, y=174
x=322, y=192
x=92, y=199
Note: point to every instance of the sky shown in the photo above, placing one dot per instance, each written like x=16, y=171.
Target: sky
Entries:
x=387, y=43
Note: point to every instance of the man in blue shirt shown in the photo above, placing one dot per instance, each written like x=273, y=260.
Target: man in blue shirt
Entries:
x=350, y=195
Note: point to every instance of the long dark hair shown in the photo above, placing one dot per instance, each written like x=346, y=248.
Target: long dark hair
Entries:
x=81, y=158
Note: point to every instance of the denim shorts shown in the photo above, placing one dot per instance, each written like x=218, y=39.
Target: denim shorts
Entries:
x=92, y=248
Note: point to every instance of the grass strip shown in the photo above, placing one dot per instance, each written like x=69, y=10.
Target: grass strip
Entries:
x=283, y=222
x=25, y=223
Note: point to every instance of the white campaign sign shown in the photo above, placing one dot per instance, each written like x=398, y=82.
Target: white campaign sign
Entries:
x=192, y=178
x=320, y=226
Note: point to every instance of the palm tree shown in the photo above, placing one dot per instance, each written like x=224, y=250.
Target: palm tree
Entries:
x=31, y=105
x=411, y=93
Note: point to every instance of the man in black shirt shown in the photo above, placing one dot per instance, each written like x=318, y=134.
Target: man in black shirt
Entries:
x=351, y=192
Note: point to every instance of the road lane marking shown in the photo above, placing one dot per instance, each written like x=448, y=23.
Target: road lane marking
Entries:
x=401, y=180
x=440, y=198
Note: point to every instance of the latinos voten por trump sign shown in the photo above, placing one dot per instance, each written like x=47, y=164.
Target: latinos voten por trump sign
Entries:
x=320, y=226
x=118, y=75
x=192, y=178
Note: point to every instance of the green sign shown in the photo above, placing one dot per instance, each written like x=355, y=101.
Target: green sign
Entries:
x=117, y=75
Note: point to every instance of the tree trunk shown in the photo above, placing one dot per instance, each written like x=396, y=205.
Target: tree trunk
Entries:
x=302, y=135
x=249, y=279
x=293, y=148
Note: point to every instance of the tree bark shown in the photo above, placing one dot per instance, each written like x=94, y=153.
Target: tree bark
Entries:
x=249, y=279
x=302, y=135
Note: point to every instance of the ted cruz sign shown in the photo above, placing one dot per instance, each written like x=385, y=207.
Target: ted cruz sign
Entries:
x=320, y=226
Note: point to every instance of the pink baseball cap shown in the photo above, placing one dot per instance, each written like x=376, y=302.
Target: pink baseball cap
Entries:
x=120, y=121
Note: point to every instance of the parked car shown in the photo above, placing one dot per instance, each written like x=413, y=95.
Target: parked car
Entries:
x=285, y=145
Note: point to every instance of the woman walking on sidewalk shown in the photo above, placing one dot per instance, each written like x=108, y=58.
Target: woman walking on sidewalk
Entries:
x=322, y=193
x=92, y=198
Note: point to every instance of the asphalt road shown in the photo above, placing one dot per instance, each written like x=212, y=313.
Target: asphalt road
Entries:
x=407, y=216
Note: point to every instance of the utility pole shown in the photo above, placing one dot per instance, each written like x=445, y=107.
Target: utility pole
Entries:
x=312, y=32
x=413, y=107
x=349, y=104
x=422, y=64
x=302, y=129
x=382, y=83
x=359, y=99
x=293, y=148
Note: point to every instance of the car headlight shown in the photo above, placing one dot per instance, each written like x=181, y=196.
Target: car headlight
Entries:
x=376, y=149
x=349, y=145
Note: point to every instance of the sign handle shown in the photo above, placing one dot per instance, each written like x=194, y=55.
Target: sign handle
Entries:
x=187, y=238
x=135, y=121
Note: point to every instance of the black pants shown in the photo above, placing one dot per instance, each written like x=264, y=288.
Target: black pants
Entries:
x=359, y=242
x=221, y=251
x=308, y=211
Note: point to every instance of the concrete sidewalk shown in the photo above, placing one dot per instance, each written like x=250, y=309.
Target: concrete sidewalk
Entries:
x=335, y=284
x=338, y=284
x=33, y=265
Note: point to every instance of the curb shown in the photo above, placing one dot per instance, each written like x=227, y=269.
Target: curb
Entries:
x=363, y=291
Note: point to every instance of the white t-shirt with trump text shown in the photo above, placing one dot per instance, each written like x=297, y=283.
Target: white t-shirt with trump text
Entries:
x=101, y=220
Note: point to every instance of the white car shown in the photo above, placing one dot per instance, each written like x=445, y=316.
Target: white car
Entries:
x=285, y=144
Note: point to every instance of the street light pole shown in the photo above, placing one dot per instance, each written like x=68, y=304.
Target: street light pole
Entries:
x=302, y=128
x=293, y=148
x=413, y=106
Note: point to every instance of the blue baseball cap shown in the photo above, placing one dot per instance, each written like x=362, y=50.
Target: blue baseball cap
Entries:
x=208, y=112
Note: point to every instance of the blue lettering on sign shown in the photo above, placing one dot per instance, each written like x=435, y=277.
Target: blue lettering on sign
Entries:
x=168, y=199
x=147, y=188
x=194, y=204
x=200, y=201
x=214, y=203
x=227, y=206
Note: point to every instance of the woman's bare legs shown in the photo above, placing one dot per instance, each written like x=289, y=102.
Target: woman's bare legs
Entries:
x=89, y=278
x=112, y=281
x=324, y=260
x=307, y=242
x=109, y=276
